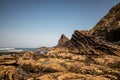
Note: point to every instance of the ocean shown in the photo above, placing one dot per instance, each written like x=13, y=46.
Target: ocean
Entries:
x=17, y=49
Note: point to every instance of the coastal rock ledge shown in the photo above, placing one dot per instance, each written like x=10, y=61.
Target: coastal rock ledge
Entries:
x=89, y=55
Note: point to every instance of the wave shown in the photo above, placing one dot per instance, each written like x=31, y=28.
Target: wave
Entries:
x=2, y=49
x=16, y=49
x=10, y=50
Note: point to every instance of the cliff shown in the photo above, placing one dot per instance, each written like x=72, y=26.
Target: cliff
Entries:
x=103, y=38
x=108, y=28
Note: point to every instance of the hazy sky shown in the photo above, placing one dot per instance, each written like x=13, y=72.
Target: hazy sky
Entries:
x=35, y=23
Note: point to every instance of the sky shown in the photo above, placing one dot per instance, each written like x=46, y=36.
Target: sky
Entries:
x=36, y=23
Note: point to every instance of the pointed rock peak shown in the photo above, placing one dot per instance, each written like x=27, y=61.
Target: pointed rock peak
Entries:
x=63, y=39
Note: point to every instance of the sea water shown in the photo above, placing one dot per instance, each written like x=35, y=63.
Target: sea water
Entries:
x=17, y=49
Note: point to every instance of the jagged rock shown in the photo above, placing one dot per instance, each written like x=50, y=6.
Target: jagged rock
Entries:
x=108, y=28
x=70, y=76
x=88, y=55
x=7, y=60
x=10, y=73
x=28, y=58
x=91, y=45
x=63, y=39
x=97, y=40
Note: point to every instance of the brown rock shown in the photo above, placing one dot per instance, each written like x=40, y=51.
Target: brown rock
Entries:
x=9, y=73
x=104, y=38
x=92, y=45
x=88, y=55
x=108, y=28
x=7, y=60
x=63, y=39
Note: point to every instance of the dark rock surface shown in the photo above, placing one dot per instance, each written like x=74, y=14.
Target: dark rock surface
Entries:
x=92, y=45
x=63, y=39
x=104, y=38
x=108, y=28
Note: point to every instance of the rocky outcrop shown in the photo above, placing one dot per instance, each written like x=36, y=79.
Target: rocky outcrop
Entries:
x=10, y=73
x=8, y=60
x=108, y=28
x=89, y=55
x=104, y=38
x=60, y=66
x=91, y=45
x=62, y=41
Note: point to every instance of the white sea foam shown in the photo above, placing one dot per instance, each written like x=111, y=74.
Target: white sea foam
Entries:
x=1, y=49
x=10, y=50
x=14, y=50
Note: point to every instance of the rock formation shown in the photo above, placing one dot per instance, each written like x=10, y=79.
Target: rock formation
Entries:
x=92, y=45
x=89, y=55
x=63, y=39
x=104, y=38
x=108, y=28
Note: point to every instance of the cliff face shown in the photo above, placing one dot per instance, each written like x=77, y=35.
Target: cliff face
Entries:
x=104, y=38
x=92, y=45
x=108, y=28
